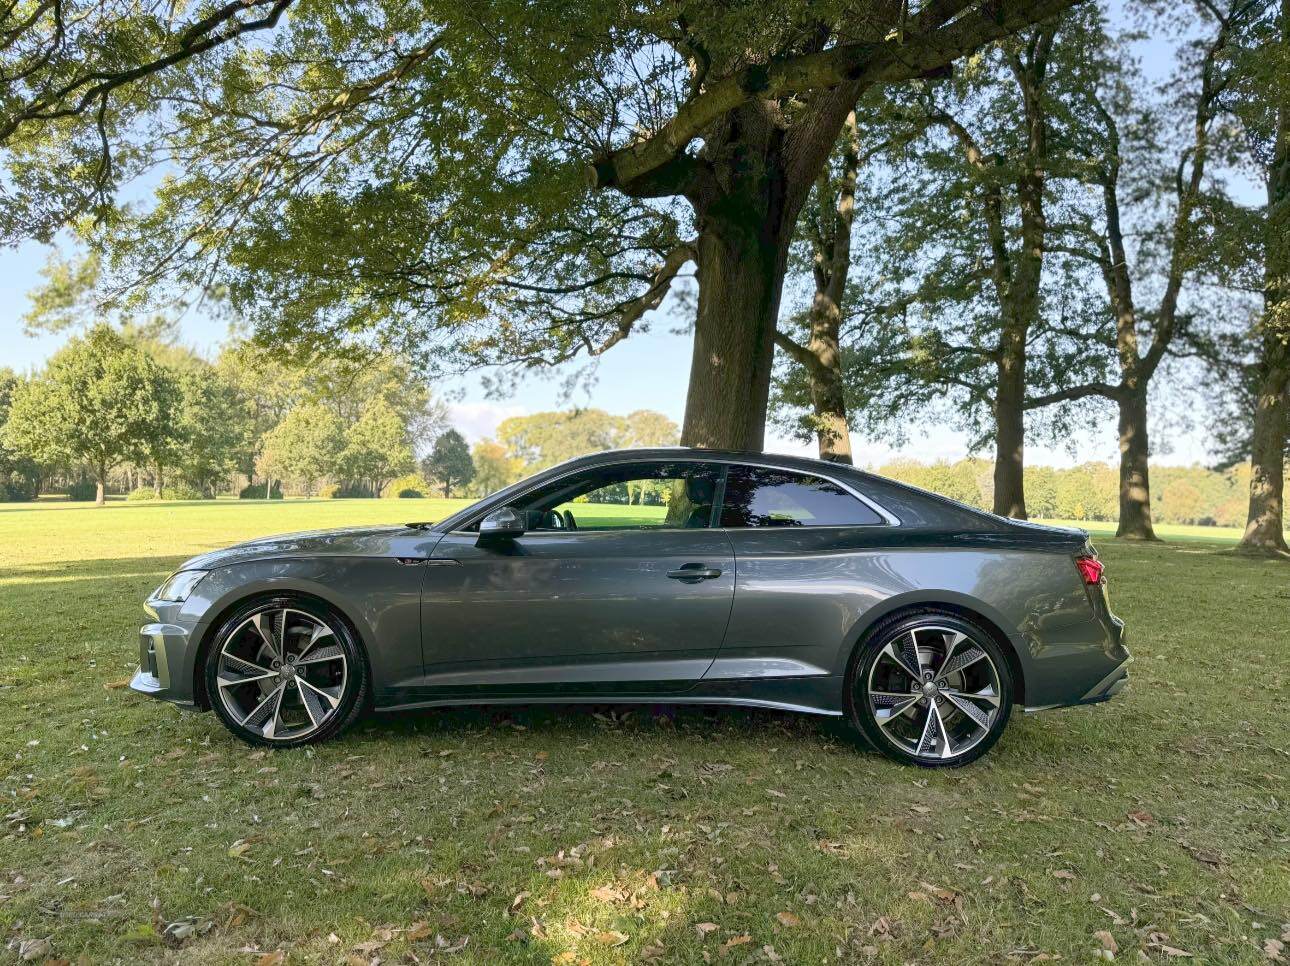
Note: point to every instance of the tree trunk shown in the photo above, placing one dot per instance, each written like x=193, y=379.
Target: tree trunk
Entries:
x=1265, y=525
x=1135, y=488
x=100, y=488
x=831, y=415
x=742, y=255
x=1009, y=427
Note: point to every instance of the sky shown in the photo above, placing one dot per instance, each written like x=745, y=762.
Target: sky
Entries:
x=648, y=370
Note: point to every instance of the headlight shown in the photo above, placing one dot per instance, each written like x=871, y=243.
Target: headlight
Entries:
x=178, y=586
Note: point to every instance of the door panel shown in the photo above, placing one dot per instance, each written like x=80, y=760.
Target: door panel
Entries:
x=576, y=611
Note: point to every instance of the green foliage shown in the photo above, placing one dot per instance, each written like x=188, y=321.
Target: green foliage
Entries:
x=409, y=486
x=19, y=474
x=82, y=491
x=449, y=462
x=256, y=491
x=100, y=401
x=495, y=468
x=544, y=439
x=1090, y=491
x=175, y=491
x=304, y=447
x=376, y=446
x=213, y=426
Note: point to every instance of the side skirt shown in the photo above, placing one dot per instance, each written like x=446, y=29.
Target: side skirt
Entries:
x=817, y=694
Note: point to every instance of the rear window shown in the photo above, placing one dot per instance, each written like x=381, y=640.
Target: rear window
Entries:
x=764, y=497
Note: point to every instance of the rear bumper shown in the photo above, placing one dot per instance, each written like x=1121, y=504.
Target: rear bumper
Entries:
x=1115, y=659
x=1109, y=686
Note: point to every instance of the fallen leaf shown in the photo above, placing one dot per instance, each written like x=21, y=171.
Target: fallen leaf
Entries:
x=30, y=949
x=1064, y=874
x=611, y=937
x=275, y=958
x=704, y=928
x=1272, y=949
x=1107, y=940
x=788, y=919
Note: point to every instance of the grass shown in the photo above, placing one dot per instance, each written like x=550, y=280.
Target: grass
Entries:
x=136, y=832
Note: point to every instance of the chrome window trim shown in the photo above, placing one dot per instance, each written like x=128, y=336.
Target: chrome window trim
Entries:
x=889, y=518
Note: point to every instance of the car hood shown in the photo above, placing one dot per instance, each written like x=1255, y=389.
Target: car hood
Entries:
x=339, y=542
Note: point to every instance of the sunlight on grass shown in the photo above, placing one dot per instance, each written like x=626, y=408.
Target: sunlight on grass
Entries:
x=621, y=835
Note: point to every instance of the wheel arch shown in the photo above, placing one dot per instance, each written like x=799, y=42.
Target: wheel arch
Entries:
x=226, y=608
x=948, y=603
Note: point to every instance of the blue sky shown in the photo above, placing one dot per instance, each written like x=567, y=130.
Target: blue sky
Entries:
x=648, y=370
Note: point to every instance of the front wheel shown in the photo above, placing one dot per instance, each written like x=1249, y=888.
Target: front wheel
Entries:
x=286, y=672
x=930, y=689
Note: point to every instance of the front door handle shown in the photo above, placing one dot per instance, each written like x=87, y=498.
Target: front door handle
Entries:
x=692, y=573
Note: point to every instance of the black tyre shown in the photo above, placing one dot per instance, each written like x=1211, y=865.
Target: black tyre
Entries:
x=286, y=671
x=930, y=689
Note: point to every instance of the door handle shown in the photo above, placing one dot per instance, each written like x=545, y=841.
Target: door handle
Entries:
x=693, y=573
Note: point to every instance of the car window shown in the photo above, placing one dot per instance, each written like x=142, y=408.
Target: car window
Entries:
x=640, y=496
x=764, y=497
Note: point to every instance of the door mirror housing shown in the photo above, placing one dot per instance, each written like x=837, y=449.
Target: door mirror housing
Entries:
x=502, y=523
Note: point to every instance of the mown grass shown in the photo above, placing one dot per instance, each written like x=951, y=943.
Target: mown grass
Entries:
x=136, y=832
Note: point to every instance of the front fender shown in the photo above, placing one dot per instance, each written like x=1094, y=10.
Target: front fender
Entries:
x=379, y=596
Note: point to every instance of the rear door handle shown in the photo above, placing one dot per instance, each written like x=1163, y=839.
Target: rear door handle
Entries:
x=694, y=572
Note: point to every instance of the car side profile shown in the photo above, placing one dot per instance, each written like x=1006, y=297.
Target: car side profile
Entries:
x=672, y=575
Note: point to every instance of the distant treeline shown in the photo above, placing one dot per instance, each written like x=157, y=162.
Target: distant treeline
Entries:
x=1090, y=491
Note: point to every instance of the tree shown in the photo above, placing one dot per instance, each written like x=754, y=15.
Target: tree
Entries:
x=827, y=225
x=951, y=303
x=1176, y=245
x=644, y=428
x=304, y=448
x=544, y=439
x=319, y=175
x=100, y=401
x=376, y=446
x=494, y=467
x=214, y=427
x=449, y=462
x=19, y=474
x=1262, y=106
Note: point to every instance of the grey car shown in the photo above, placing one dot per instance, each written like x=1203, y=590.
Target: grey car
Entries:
x=663, y=575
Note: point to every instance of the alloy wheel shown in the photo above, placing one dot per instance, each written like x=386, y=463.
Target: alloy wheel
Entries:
x=934, y=692
x=281, y=673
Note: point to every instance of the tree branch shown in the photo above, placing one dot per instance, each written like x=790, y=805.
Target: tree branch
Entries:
x=1072, y=393
x=858, y=65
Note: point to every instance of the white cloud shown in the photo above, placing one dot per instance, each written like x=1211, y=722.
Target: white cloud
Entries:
x=476, y=420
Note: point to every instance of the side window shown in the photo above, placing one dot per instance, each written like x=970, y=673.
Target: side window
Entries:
x=632, y=496
x=763, y=497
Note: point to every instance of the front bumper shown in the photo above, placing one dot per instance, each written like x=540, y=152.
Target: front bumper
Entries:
x=166, y=653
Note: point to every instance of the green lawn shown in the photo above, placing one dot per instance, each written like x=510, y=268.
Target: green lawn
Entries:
x=135, y=832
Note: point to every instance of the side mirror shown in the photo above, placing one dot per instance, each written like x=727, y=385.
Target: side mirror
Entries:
x=503, y=522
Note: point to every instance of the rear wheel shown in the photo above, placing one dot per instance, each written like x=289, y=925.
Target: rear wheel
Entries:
x=930, y=689
x=286, y=672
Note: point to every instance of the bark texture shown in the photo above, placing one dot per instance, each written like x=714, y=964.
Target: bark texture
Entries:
x=1135, y=486
x=1265, y=523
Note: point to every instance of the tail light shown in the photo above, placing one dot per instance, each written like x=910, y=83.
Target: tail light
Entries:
x=1090, y=568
